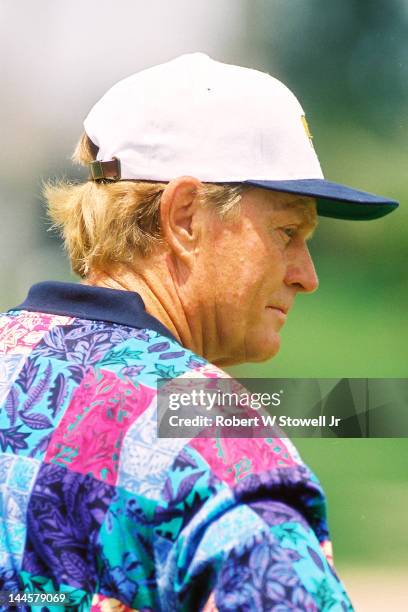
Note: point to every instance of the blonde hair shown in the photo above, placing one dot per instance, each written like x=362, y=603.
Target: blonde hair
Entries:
x=109, y=222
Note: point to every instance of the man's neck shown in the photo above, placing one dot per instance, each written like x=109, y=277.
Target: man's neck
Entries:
x=160, y=298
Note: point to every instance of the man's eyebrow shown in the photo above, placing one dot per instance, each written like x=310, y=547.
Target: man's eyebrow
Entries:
x=304, y=211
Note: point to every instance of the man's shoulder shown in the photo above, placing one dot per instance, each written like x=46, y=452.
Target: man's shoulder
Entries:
x=82, y=395
x=100, y=342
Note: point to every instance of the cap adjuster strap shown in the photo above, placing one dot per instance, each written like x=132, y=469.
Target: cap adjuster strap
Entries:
x=105, y=170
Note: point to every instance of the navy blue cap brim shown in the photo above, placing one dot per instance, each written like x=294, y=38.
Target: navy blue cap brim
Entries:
x=334, y=200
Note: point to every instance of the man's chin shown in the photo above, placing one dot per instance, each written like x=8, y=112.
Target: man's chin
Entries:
x=262, y=347
x=267, y=352
x=259, y=347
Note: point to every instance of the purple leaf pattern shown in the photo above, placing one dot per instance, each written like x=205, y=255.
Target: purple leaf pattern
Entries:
x=277, y=513
x=62, y=523
x=195, y=362
x=13, y=438
x=35, y=420
x=252, y=580
x=167, y=492
x=77, y=373
x=12, y=405
x=316, y=558
x=57, y=394
x=42, y=445
x=82, y=343
x=172, y=355
x=186, y=487
x=28, y=374
x=74, y=565
x=184, y=460
x=36, y=393
x=132, y=371
x=159, y=347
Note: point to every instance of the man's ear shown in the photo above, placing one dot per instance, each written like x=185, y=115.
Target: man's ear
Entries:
x=179, y=206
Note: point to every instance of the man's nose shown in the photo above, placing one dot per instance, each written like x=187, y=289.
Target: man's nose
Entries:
x=301, y=272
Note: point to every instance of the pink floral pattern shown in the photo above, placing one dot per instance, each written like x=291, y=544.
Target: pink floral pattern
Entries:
x=90, y=435
x=233, y=459
x=21, y=334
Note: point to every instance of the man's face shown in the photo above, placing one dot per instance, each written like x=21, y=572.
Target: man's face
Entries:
x=250, y=270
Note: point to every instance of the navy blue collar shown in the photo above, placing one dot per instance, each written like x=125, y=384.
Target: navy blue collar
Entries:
x=94, y=303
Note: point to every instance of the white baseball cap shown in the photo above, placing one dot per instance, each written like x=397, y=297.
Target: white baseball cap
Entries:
x=221, y=124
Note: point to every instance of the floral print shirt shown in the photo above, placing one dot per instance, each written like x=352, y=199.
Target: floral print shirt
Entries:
x=95, y=506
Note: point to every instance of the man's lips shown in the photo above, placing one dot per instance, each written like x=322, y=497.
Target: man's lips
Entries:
x=283, y=309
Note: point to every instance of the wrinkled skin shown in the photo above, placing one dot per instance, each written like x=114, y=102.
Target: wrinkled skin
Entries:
x=224, y=287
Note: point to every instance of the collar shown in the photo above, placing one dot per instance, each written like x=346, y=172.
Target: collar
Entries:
x=94, y=303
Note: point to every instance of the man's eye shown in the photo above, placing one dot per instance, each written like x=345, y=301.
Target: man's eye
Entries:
x=289, y=231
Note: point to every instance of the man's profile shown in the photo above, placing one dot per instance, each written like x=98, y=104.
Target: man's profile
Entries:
x=191, y=241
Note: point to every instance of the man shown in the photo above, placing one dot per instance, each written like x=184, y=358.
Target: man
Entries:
x=191, y=241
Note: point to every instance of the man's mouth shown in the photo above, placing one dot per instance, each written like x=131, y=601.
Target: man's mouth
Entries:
x=283, y=309
x=280, y=313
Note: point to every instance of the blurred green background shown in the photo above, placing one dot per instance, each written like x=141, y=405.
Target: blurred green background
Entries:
x=347, y=61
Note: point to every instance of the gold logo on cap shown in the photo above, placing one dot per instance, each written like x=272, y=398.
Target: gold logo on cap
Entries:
x=306, y=127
